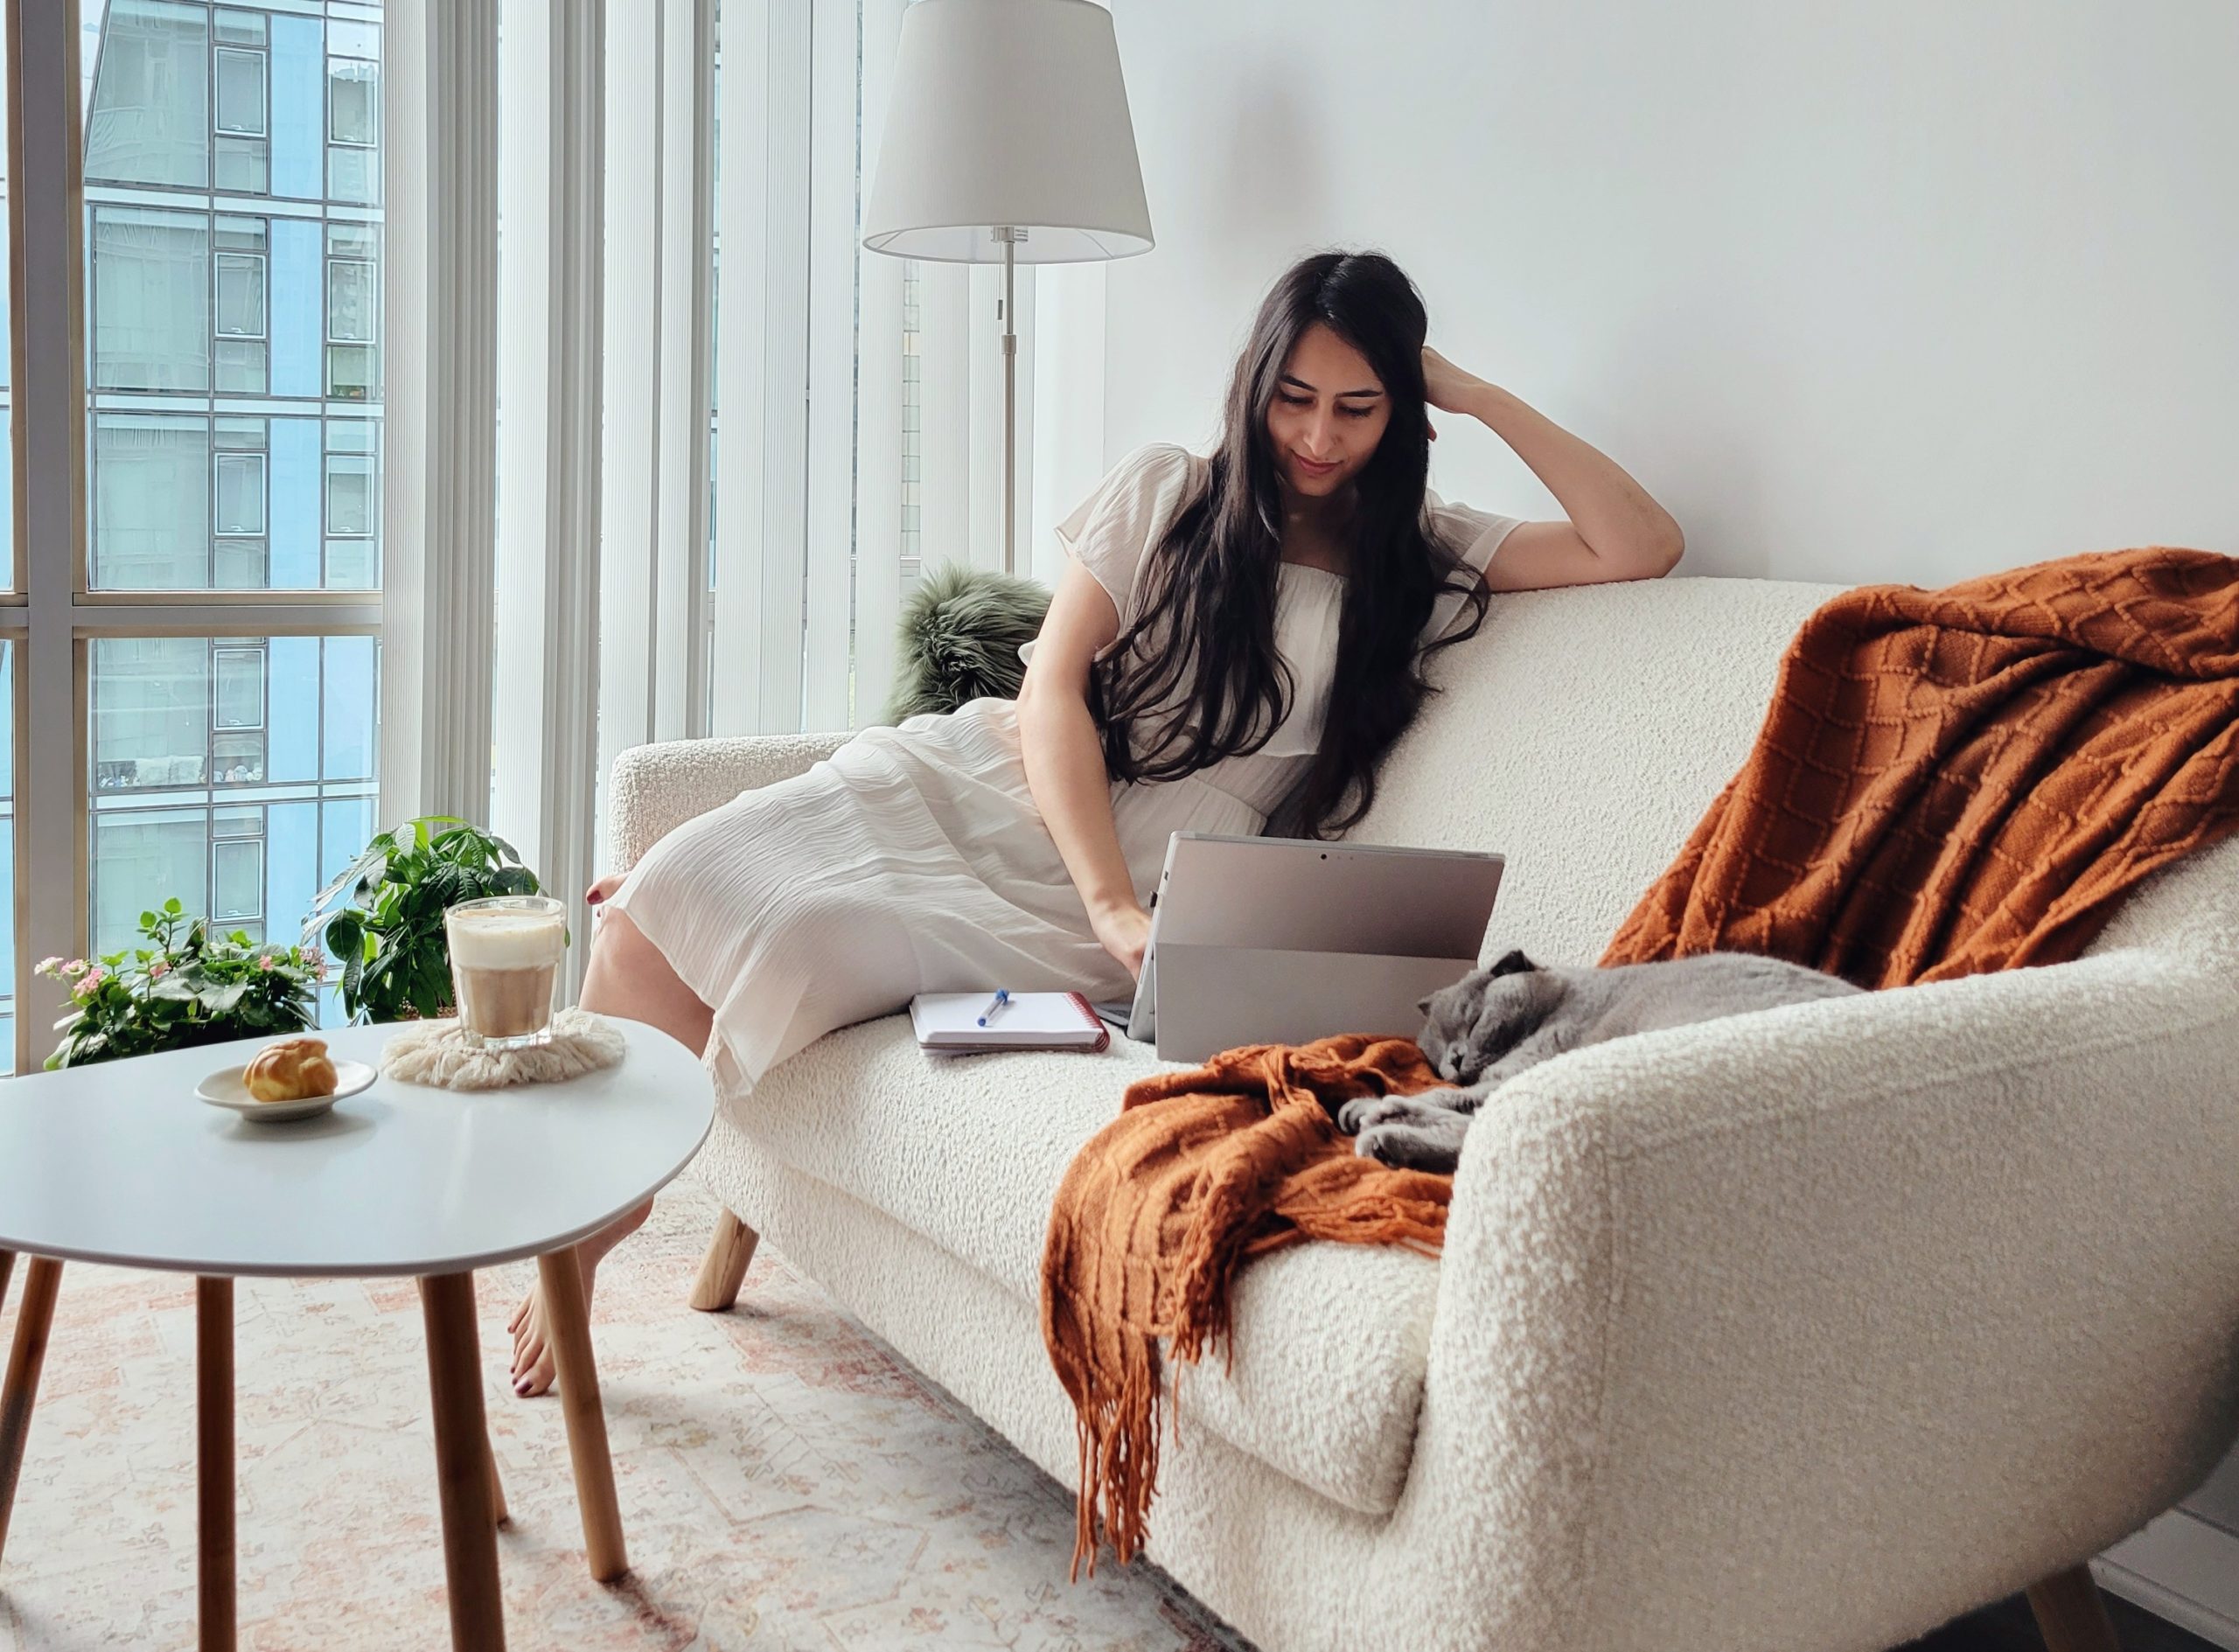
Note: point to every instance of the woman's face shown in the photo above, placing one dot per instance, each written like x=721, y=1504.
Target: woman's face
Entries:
x=1329, y=414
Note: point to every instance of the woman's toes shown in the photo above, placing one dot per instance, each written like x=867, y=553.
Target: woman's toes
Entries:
x=537, y=1377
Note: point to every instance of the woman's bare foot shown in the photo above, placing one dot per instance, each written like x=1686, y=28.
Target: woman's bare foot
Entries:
x=531, y=1346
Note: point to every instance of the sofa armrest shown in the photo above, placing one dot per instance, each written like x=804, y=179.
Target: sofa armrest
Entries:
x=655, y=789
x=1816, y=1327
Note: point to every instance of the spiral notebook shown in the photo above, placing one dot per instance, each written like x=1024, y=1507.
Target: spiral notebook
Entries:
x=947, y=1023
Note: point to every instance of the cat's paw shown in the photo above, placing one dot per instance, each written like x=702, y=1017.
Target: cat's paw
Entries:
x=1364, y=1111
x=1415, y=1143
x=1425, y=1106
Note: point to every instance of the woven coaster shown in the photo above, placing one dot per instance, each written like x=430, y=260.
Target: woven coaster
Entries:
x=441, y=1054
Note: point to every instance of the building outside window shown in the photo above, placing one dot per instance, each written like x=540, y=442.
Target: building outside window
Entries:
x=233, y=196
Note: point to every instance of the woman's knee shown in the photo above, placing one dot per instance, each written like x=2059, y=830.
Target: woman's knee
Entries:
x=621, y=945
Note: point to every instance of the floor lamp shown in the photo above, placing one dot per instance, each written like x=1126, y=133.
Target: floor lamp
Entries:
x=1008, y=138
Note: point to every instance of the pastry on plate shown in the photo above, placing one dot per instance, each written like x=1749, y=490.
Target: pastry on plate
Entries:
x=292, y=1069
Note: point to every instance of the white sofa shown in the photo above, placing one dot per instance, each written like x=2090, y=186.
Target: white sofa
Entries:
x=1806, y=1329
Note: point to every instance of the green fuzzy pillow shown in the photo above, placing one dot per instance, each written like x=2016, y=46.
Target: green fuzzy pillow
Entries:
x=960, y=633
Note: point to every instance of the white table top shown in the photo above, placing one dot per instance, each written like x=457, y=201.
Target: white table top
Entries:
x=121, y=1162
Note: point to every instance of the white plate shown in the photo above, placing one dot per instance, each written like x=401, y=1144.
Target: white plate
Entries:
x=223, y=1089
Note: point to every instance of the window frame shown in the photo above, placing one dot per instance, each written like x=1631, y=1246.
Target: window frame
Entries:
x=51, y=616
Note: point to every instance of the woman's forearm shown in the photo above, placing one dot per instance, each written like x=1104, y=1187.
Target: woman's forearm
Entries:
x=1612, y=512
x=1063, y=755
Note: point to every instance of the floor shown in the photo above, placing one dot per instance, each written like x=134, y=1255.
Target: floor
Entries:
x=785, y=1482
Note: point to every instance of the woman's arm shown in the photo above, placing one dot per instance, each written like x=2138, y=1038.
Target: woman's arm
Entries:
x=1615, y=530
x=1063, y=753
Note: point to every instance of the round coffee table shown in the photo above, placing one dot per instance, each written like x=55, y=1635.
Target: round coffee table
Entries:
x=121, y=1163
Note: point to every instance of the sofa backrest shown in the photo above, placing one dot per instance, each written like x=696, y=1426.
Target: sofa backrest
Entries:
x=1581, y=733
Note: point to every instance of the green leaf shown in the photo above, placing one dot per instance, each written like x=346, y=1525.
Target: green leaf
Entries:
x=513, y=880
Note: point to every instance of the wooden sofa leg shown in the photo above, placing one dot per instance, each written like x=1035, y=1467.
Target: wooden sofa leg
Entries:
x=729, y=1250
x=2070, y=1614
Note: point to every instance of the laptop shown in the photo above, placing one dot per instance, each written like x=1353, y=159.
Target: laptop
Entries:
x=1283, y=940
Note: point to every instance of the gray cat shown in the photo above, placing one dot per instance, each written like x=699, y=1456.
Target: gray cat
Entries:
x=1493, y=1023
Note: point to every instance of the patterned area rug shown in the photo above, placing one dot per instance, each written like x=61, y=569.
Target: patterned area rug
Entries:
x=786, y=1481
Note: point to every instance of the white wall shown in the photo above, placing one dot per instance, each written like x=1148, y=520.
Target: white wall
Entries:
x=1907, y=289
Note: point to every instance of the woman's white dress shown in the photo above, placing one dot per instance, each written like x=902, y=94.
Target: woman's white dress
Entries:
x=914, y=860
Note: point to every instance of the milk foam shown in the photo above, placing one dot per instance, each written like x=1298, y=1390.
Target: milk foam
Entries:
x=506, y=940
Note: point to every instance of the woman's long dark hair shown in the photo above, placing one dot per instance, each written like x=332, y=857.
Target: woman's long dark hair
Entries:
x=1195, y=677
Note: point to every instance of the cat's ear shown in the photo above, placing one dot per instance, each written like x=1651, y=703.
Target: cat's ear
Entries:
x=1423, y=1005
x=1513, y=963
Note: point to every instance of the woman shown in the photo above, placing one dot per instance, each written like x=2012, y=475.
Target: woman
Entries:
x=1182, y=679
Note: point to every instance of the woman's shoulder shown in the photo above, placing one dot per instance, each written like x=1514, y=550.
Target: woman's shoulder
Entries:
x=1156, y=466
x=1138, y=495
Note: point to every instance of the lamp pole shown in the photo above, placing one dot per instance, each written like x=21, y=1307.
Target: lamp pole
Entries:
x=1010, y=238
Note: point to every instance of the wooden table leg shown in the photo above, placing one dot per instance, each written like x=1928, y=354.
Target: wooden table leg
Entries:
x=566, y=1321
x=463, y=1462
x=33, y=1319
x=498, y=1509
x=214, y=1403
x=7, y=1267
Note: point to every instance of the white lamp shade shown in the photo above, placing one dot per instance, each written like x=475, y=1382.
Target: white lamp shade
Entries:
x=1008, y=113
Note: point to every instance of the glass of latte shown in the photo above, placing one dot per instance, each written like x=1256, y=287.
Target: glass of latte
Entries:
x=506, y=955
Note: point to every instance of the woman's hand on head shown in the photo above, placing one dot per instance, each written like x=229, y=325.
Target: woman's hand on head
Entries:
x=1124, y=931
x=1445, y=385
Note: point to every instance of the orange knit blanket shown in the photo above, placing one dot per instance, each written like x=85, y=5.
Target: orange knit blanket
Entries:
x=1947, y=782
x=1202, y=1170
x=1968, y=779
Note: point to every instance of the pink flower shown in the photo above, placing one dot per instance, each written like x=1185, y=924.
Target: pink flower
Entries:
x=92, y=979
x=75, y=968
x=157, y=970
x=49, y=965
x=267, y=962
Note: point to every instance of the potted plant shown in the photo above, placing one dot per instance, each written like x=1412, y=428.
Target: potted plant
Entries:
x=382, y=917
x=187, y=987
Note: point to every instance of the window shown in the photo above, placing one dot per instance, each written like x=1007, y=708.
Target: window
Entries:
x=353, y=291
x=240, y=348
x=151, y=519
x=232, y=447
x=203, y=743
x=352, y=103
x=240, y=294
x=240, y=92
x=349, y=495
x=350, y=289
x=241, y=493
x=149, y=121
x=241, y=151
x=150, y=295
x=353, y=127
x=237, y=688
x=236, y=879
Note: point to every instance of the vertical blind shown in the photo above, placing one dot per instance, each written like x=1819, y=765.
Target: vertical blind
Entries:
x=707, y=390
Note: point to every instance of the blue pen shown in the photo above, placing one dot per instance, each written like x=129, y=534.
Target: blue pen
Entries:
x=1002, y=997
